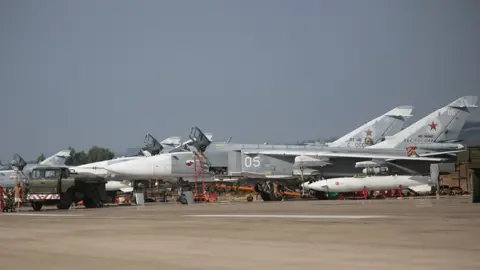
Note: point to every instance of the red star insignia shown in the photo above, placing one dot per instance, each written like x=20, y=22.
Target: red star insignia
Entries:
x=369, y=132
x=433, y=126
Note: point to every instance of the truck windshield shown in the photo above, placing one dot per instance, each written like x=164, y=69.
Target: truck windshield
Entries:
x=49, y=174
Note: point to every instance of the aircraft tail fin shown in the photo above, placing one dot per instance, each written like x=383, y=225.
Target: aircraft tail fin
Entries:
x=57, y=159
x=375, y=130
x=439, y=127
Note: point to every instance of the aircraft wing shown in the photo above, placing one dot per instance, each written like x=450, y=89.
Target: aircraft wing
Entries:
x=327, y=154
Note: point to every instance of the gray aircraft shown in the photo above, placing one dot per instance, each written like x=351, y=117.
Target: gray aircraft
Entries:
x=367, y=134
x=217, y=158
x=433, y=139
x=434, y=135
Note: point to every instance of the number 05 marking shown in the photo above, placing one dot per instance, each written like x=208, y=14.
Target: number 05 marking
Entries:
x=249, y=161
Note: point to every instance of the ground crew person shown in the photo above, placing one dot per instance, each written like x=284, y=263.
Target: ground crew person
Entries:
x=17, y=190
x=2, y=196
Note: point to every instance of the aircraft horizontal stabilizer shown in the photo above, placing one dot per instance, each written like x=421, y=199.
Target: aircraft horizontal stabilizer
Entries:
x=401, y=111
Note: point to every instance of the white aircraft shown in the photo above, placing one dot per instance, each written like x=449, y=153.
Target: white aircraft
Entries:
x=152, y=147
x=117, y=181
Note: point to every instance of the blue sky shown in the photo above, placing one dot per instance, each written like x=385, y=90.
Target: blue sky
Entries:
x=83, y=73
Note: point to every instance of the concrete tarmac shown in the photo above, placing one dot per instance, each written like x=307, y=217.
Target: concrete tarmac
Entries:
x=375, y=234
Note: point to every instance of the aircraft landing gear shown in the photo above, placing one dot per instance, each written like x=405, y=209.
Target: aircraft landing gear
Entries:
x=269, y=191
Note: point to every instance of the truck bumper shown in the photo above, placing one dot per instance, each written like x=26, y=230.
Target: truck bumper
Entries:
x=42, y=197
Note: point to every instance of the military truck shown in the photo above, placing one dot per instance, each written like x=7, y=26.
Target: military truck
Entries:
x=57, y=186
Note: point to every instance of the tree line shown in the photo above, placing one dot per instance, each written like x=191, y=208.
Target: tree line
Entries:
x=95, y=154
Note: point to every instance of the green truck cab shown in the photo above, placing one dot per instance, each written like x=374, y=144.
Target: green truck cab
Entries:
x=58, y=186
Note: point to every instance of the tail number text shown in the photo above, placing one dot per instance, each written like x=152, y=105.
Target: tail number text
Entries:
x=249, y=161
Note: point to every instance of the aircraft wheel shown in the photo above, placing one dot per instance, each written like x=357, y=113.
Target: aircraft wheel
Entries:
x=265, y=196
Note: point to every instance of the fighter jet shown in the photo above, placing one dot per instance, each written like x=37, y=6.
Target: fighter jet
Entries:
x=229, y=160
x=430, y=139
x=434, y=135
x=19, y=170
x=286, y=161
x=151, y=148
x=370, y=133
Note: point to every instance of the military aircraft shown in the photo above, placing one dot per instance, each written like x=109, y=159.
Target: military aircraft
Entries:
x=281, y=161
x=371, y=132
x=19, y=170
x=434, y=135
x=117, y=182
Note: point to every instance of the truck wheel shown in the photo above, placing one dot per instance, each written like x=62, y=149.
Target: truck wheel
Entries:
x=88, y=202
x=66, y=200
x=63, y=205
x=37, y=206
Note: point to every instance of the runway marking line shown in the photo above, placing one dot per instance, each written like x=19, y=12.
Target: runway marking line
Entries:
x=40, y=215
x=291, y=216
